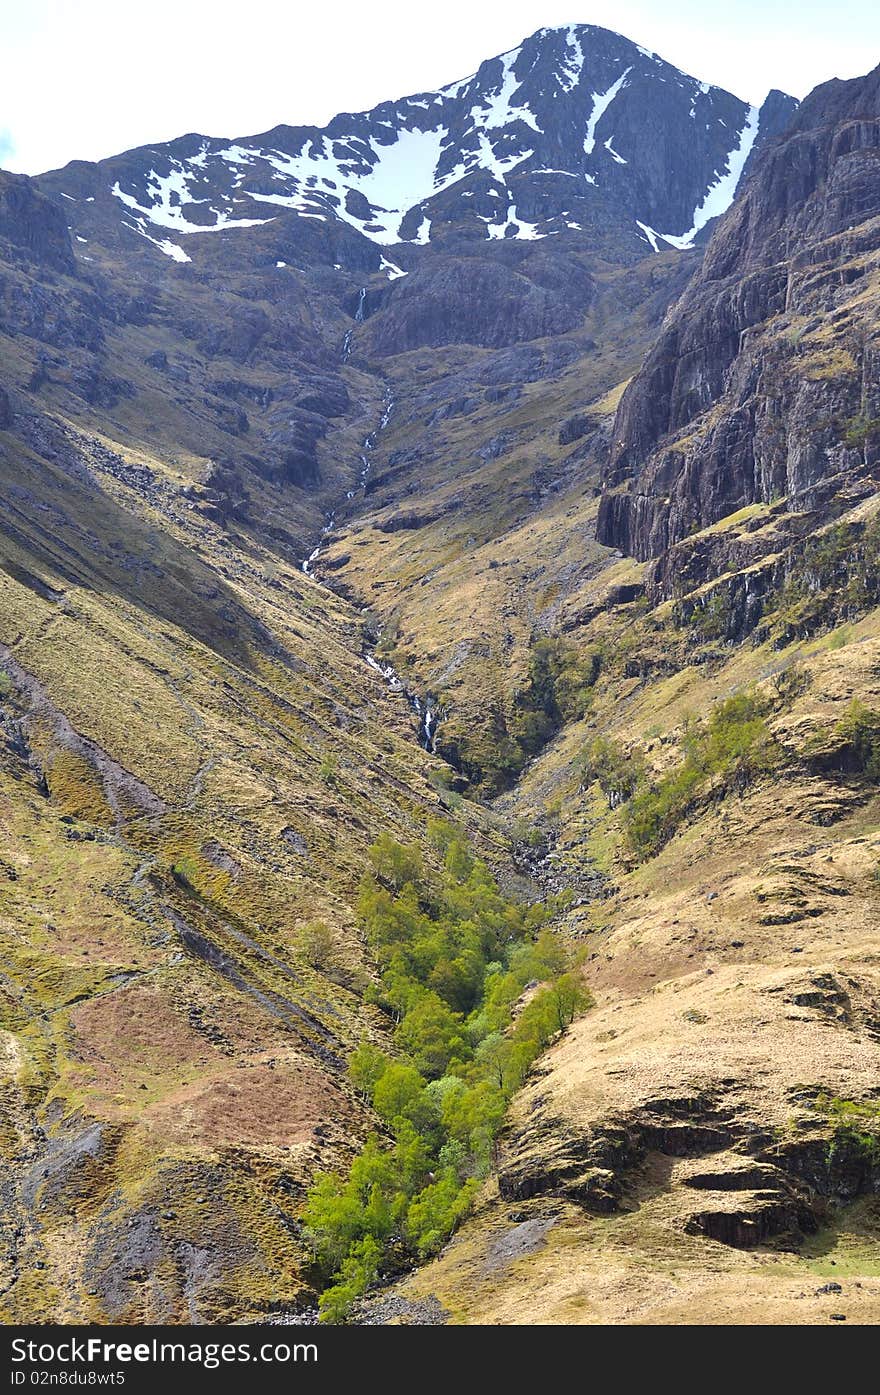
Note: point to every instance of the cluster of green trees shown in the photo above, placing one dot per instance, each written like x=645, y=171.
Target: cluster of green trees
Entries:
x=616, y=771
x=455, y=958
x=734, y=743
x=557, y=689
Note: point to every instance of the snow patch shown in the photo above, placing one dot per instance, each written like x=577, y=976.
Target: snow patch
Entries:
x=650, y=235
x=498, y=108
x=613, y=153
x=392, y=178
x=170, y=249
x=167, y=194
x=719, y=196
x=393, y=271
x=601, y=102
x=572, y=65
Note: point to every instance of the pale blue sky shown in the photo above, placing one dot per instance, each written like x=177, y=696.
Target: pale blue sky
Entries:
x=89, y=78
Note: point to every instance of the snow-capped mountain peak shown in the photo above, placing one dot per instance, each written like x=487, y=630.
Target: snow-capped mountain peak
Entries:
x=574, y=127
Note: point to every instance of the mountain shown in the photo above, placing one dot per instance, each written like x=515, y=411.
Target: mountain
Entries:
x=761, y=389
x=577, y=128
x=288, y=293
x=716, y=1114
x=499, y=473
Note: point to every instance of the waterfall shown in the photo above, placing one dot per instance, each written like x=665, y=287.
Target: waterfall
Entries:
x=369, y=442
x=429, y=717
x=306, y=563
x=429, y=730
x=359, y=313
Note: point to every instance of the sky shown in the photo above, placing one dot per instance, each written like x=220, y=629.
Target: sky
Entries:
x=84, y=79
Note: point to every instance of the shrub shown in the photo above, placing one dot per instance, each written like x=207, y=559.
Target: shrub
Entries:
x=616, y=773
x=712, y=619
x=860, y=728
x=558, y=689
x=835, y=576
x=734, y=745
x=318, y=944
x=855, y=740
x=861, y=429
x=395, y=865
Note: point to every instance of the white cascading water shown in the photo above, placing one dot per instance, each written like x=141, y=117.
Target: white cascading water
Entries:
x=428, y=717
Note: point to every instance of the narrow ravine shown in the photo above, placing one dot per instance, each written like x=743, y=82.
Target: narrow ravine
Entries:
x=428, y=717
x=359, y=317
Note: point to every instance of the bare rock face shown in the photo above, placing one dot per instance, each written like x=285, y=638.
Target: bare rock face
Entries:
x=764, y=382
x=33, y=224
x=471, y=300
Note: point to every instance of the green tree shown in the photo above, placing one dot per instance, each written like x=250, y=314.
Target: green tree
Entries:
x=317, y=943
x=356, y=1272
x=569, y=998
x=432, y=1035
x=396, y=864
x=399, y=1093
x=366, y=1065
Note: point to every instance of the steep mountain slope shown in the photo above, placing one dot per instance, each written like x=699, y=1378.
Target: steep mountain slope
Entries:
x=762, y=389
x=369, y=418
x=194, y=761
x=705, y=1145
x=576, y=128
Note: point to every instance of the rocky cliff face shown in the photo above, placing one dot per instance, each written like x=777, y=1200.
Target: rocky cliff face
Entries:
x=764, y=384
x=32, y=227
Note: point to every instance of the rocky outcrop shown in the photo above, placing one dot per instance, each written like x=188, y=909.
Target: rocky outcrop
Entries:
x=764, y=383
x=474, y=300
x=33, y=225
x=748, y=1190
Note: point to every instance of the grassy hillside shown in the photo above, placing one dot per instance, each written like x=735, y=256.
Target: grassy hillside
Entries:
x=195, y=760
x=704, y=1145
